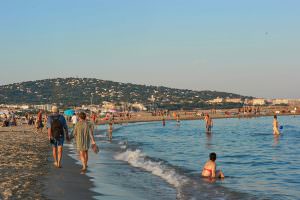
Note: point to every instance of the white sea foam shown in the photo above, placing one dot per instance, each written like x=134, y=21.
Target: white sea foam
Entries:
x=123, y=142
x=99, y=136
x=123, y=146
x=137, y=159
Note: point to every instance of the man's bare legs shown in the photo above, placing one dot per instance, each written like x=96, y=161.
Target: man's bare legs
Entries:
x=57, y=155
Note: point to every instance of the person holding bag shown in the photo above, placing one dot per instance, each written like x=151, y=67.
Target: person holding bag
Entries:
x=84, y=135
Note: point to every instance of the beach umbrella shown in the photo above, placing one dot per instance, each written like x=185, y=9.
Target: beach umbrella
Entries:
x=69, y=112
x=112, y=111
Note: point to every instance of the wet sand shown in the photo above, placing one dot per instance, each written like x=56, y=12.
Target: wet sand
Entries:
x=67, y=182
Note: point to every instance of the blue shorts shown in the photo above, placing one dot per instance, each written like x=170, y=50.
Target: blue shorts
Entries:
x=57, y=142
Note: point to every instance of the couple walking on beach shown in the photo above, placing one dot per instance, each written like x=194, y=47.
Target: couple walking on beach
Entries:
x=58, y=130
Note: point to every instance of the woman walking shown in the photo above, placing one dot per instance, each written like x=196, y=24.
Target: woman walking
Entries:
x=83, y=133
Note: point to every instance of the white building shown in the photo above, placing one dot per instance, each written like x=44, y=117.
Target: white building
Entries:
x=295, y=102
x=46, y=107
x=280, y=101
x=259, y=102
x=139, y=106
x=106, y=106
x=216, y=100
x=233, y=100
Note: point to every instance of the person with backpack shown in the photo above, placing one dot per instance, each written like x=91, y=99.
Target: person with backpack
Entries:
x=57, y=129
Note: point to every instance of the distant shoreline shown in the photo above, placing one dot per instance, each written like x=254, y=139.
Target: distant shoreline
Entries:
x=184, y=118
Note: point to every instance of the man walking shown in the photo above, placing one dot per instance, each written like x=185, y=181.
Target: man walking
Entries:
x=57, y=128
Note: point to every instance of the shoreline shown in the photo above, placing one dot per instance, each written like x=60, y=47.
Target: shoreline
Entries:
x=184, y=118
x=67, y=182
x=27, y=171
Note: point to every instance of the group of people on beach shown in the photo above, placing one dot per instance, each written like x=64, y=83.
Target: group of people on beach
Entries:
x=9, y=119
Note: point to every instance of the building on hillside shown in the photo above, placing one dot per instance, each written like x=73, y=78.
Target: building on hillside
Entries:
x=138, y=107
x=280, y=101
x=216, y=100
x=24, y=107
x=106, y=106
x=46, y=107
x=233, y=100
x=248, y=101
x=259, y=102
x=294, y=102
x=10, y=106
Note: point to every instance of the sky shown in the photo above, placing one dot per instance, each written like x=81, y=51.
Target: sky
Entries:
x=248, y=47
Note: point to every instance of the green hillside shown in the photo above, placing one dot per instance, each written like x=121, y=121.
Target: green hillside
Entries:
x=78, y=91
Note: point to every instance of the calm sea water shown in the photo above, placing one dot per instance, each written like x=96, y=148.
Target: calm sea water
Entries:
x=149, y=161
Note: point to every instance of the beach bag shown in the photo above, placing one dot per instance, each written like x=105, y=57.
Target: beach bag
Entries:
x=56, y=127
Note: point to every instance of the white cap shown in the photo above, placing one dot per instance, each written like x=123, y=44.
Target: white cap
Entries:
x=54, y=109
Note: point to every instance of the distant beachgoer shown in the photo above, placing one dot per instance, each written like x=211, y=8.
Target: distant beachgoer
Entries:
x=208, y=123
x=39, y=122
x=5, y=122
x=94, y=117
x=163, y=121
x=57, y=129
x=84, y=134
x=178, y=119
x=74, y=120
x=31, y=120
x=275, y=126
x=110, y=130
x=209, y=169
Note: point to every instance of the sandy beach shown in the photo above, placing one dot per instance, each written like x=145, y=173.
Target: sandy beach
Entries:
x=27, y=171
x=24, y=157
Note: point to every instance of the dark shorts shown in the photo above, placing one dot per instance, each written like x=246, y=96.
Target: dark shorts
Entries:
x=57, y=142
x=40, y=124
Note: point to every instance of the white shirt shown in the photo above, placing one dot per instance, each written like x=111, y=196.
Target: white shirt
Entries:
x=74, y=119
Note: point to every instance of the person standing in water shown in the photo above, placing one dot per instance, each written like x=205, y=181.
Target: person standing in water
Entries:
x=208, y=123
x=178, y=119
x=209, y=169
x=275, y=126
x=110, y=130
x=163, y=121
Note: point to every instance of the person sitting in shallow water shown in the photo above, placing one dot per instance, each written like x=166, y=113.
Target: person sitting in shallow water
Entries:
x=209, y=169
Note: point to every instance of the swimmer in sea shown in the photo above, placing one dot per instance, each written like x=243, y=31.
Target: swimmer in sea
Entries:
x=209, y=169
x=275, y=126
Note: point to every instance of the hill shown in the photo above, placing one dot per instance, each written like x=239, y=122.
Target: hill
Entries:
x=78, y=91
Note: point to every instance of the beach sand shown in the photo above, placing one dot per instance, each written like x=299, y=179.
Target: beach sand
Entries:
x=24, y=157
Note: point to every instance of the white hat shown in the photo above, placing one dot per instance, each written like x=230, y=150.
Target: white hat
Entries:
x=54, y=109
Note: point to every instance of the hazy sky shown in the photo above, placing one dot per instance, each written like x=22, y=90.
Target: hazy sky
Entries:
x=246, y=47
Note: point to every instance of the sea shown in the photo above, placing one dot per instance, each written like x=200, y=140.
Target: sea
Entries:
x=152, y=161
